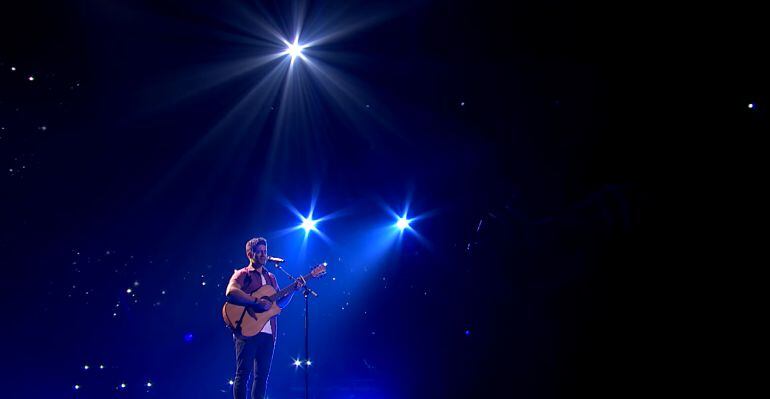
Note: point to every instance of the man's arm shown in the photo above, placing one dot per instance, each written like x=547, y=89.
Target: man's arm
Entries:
x=236, y=296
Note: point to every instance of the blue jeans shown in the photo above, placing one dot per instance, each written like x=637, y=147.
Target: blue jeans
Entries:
x=253, y=356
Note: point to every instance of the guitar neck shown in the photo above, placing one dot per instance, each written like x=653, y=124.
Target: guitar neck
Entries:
x=289, y=288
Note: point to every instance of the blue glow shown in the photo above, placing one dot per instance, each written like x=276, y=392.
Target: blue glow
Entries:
x=188, y=337
x=402, y=223
x=294, y=49
x=308, y=223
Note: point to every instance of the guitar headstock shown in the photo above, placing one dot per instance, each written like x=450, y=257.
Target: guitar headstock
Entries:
x=319, y=270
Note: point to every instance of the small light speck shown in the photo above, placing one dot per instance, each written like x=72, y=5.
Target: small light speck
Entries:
x=128, y=290
x=203, y=283
x=462, y=103
x=31, y=78
x=13, y=69
x=751, y=106
x=86, y=367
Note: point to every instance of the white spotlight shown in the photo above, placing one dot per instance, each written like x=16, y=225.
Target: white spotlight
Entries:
x=308, y=224
x=294, y=50
x=402, y=223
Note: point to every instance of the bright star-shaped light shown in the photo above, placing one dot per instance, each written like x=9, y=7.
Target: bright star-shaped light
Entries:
x=402, y=223
x=297, y=362
x=308, y=363
x=308, y=224
x=294, y=50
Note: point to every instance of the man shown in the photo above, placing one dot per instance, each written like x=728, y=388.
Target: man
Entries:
x=253, y=355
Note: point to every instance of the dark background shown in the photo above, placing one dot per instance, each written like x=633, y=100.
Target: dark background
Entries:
x=564, y=157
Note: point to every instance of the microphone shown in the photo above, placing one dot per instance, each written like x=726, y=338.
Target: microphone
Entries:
x=276, y=260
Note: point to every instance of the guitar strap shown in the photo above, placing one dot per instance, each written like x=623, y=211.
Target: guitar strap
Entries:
x=243, y=314
x=240, y=320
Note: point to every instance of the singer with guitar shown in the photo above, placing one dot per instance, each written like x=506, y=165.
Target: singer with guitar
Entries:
x=253, y=302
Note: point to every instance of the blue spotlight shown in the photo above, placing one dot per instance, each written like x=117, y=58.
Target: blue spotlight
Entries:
x=402, y=223
x=308, y=223
x=294, y=50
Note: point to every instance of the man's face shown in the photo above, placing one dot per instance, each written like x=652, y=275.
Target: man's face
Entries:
x=260, y=254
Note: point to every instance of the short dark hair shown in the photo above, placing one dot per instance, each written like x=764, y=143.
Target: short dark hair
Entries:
x=251, y=246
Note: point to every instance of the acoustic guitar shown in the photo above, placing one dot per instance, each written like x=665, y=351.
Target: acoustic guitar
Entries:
x=247, y=321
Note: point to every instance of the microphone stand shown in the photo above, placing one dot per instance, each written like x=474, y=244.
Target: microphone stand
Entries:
x=306, y=291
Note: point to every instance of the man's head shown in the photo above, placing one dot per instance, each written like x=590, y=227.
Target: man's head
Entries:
x=256, y=251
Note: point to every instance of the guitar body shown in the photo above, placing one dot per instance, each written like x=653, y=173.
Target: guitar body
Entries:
x=251, y=321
